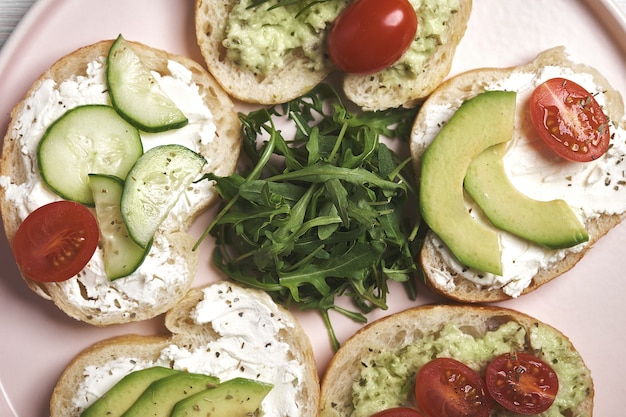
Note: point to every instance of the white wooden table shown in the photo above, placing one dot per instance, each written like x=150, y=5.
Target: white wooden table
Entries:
x=11, y=12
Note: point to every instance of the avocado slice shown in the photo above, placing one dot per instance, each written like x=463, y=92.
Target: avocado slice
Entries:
x=238, y=397
x=480, y=122
x=159, y=399
x=122, y=395
x=549, y=223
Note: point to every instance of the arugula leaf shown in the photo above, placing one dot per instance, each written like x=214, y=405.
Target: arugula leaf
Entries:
x=321, y=215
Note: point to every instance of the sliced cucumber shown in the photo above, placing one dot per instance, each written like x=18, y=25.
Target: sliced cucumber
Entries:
x=136, y=94
x=153, y=186
x=86, y=139
x=122, y=255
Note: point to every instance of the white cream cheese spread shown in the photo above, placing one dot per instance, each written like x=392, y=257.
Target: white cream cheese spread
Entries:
x=591, y=189
x=161, y=270
x=247, y=346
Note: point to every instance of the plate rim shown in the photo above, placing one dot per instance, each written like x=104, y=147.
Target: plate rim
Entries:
x=606, y=11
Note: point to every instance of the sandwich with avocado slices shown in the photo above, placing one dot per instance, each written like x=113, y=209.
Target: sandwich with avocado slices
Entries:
x=97, y=179
x=272, y=51
x=465, y=360
x=232, y=352
x=519, y=174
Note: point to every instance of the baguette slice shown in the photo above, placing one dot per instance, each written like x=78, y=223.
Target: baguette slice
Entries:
x=186, y=334
x=292, y=80
x=97, y=300
x=376, y=92
x=296, y=77
x=452, y=282
x=412, y=326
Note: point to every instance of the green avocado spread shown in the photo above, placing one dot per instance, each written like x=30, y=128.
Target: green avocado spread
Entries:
x=261, y=38
x=387, y=378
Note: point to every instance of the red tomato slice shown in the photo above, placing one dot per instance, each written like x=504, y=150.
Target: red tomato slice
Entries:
x=398, y=412
x=569, y=120
x=522, y=383
x=56, y=241
x=370, y=35
x=445, y=387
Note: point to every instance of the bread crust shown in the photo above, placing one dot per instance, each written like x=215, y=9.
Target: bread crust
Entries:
x=455, y=91
x=295, y=78
x=221, y=154
x=372, y=92
x=185, y=333
x=393, y=332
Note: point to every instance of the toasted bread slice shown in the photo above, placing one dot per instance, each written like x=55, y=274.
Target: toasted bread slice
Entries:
x=295, y=77
x=283, y=356
x=379, y=91
x=170, y=267
x=300, y=73
x=443, y=272
x=421, y=325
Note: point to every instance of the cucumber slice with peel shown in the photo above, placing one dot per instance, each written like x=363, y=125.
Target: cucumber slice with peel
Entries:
x=86, y=139
x=122, y=255
x=136, y=94
x=153, y=187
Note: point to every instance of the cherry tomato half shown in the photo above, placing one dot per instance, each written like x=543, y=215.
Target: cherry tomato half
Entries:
x=398, y=412
x=370, y=35
x=569, y=120
x=445, y=387
x=522, y=383
x=56, y=241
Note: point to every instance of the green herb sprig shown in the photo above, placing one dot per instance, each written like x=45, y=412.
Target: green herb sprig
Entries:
x=321, y=215
x=286, y=3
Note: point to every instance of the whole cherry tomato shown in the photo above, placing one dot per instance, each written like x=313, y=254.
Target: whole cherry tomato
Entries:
x=56, y=241
x=370, y=35
x=522, y=383
x=569, y=120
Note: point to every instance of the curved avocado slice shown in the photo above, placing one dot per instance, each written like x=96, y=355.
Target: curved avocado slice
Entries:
x=235, y=397
x=159, y=399
x=123, y=394
x=480, y=122
x=549, y=223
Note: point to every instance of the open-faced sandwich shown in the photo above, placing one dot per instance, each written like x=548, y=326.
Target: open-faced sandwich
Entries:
x=273, y=51
x=232, y=352
x=457, y=360
x=97, y=187
x=520, y=172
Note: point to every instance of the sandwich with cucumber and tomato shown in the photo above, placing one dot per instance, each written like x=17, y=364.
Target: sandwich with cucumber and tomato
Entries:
x=387, y=54
x=520, y=173
x=232, y=351
x=97, y=182
x=457, y=360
